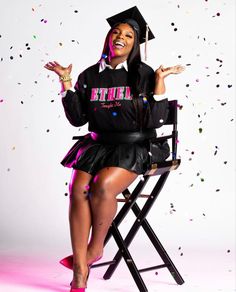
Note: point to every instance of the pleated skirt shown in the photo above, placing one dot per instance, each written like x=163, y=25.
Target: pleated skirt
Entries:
x=90, y=156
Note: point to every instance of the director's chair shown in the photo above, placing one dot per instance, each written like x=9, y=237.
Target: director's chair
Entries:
x=161, y=169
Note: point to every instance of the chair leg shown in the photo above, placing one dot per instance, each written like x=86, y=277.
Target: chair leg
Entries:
x=127, y=206
x=128, y=259
x=159, y=247
x=135, y=227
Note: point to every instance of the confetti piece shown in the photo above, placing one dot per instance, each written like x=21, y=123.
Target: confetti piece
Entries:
x=76, y=11
x=48, y=130
x=66, y=194
x=217, y=190
x=228, y=251
x=87, y=187
x=114, y=114
x=145, y=100
x=200, y=130
x=1, y=100
x=202, y=179
x=95, y=178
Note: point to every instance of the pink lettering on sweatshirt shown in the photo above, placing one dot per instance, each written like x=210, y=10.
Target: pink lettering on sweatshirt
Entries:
x=111, y=94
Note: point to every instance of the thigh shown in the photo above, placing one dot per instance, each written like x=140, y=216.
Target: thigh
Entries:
x=113, y=180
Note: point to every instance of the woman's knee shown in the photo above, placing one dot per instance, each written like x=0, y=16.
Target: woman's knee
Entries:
x=78, y=192
x=102, y=189
x=79, y=186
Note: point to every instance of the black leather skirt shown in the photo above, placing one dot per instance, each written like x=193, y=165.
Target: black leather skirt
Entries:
x=128, y=150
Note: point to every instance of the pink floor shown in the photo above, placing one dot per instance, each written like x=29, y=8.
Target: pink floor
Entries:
x=203, y=271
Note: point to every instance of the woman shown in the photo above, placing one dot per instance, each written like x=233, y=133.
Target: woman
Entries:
x=115, y=96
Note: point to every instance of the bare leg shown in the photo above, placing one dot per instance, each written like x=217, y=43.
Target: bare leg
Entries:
x=80, y=224
x=110, y=182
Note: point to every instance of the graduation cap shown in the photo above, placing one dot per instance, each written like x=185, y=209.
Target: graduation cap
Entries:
x=134, y=18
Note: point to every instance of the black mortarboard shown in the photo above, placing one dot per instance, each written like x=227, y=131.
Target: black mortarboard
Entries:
x=133, y=17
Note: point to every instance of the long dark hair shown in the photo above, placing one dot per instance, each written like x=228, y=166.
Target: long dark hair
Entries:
x=134, y=73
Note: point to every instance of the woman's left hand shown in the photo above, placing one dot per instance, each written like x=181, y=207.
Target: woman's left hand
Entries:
x=162, y=72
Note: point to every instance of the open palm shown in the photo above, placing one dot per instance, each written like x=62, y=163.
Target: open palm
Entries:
x=163, y=72
x=58, y=69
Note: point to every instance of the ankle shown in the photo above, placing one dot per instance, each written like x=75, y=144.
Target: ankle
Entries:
x=94, y=254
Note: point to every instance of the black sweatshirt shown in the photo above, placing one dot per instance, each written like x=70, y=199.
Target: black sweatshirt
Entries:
x=104, y=100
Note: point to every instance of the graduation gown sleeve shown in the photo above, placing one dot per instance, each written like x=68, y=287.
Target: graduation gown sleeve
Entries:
x=75, y=103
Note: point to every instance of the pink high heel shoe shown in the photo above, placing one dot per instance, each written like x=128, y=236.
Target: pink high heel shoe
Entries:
x=68, y=261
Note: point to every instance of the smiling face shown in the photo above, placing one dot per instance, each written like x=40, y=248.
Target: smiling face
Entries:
x=122, y=41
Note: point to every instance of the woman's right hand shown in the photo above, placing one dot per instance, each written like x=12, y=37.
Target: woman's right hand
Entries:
x=58, y=69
